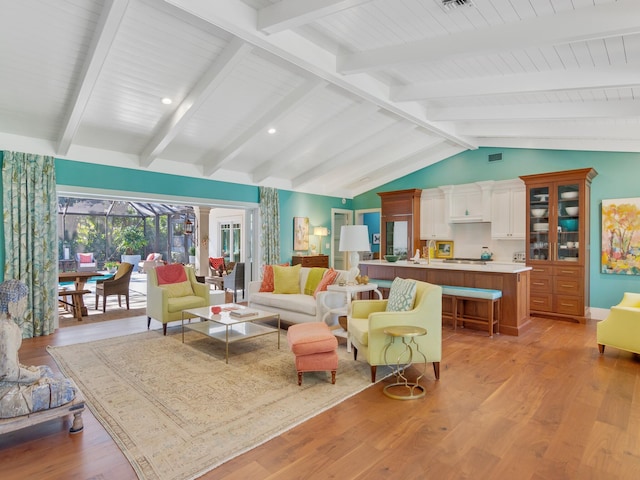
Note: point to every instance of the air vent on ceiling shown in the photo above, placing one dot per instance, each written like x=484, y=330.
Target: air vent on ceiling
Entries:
x=451, y=4
x=495, y=157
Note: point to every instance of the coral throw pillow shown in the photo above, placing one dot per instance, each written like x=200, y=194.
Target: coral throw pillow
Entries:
x=151, y=257
x=286, y=279
x=401, y=295
x=328, y=279
x=172, y=273
x=86, y=258
x=267, y=277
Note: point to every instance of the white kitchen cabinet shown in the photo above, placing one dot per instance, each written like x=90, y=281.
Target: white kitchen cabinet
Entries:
x=434, y=215
x=508, y=208
x=468, y=203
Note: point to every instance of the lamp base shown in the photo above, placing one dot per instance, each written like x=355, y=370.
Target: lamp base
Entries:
x=354, y=271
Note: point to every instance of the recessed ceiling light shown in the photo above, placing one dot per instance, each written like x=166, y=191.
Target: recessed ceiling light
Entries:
x=271, y=131
x=166, y=101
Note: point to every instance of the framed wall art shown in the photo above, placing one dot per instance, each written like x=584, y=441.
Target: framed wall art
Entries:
x=375, y=239
x=620, y=252
x=300, y=233
x=444, y=249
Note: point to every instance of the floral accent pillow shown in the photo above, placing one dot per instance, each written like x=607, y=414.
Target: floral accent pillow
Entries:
x=267, y=277
x=402, y=295
x=328, y=279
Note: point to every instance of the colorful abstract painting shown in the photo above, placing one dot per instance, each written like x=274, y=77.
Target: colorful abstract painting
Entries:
x=621, y=236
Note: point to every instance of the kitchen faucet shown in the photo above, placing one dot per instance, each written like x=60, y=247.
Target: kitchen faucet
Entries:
x=429, y=250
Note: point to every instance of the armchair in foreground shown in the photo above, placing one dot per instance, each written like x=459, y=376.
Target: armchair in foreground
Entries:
x=621, y=329
x=172, y=289
x=369, y=318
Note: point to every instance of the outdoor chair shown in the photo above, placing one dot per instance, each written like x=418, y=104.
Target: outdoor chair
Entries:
x=118, y=285
x=86, y=262
x=234, y=280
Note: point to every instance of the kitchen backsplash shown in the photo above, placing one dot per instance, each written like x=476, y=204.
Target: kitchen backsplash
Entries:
x=469, y=238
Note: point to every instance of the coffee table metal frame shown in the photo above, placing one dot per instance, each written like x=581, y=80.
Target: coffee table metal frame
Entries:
x=228, y=329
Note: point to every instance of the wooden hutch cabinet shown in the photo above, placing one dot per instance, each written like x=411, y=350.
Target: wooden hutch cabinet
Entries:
x=311, y=260
x=400, y=222
x=557, y=242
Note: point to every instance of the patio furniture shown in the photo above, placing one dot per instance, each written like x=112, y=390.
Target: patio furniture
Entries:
x=118, y=285
x=86, y=262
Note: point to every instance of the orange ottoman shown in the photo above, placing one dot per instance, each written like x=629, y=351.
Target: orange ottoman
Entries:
x=315, y=348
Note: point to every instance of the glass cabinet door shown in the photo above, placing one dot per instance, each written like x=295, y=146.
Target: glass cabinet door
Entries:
x=540, y=223
x=568, y=228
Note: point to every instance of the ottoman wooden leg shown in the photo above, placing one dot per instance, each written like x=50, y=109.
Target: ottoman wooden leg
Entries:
x=299, y=378
x=333, y=376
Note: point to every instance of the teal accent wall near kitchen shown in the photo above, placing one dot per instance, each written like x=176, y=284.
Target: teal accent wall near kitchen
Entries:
x=617, y=178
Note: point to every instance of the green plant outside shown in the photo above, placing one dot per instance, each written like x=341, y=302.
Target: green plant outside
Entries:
x=130, y=240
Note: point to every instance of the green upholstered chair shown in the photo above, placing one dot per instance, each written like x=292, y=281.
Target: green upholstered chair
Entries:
x=369, y=318
x=166, y=301
x=621, y=328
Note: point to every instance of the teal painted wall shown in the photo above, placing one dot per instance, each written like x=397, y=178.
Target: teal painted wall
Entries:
x=372, y=221
x=617, y=178
x=316, y=207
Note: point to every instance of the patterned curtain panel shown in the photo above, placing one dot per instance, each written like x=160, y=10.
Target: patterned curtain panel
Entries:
x=30, y=237
x=270, y=233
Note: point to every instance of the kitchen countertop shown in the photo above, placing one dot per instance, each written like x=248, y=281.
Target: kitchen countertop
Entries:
x=490, y=266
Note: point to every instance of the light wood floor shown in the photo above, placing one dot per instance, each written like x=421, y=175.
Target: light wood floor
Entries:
x=543, y=405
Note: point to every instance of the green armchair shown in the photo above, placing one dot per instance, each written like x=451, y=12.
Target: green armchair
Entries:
x=369, y=318
x=621, y=328
x=165, y=303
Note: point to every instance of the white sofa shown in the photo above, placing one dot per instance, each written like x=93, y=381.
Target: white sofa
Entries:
x=298, y=307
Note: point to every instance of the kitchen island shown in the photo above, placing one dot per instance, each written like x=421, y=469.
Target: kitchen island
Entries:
x=510, y=278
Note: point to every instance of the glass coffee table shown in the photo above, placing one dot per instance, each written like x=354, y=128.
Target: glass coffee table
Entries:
x=228, y=328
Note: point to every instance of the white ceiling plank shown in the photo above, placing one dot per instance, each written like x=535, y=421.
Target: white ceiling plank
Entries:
x=584, y=144
x=403, y=165
x=241, y=20
x=539, y=111
x=314, y=136
x=108, y=26
x=609, y=77
x=566, y=27
x=273, y=116
x=288, y=14
x=333, y=166
x=552, y=129
x=235, y=51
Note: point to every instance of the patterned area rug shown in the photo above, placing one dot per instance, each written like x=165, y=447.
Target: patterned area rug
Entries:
x=178, y=411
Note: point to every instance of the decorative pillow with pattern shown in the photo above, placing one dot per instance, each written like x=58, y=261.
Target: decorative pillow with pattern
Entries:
x=328, y=279
x=267, y=277
x=402, y=295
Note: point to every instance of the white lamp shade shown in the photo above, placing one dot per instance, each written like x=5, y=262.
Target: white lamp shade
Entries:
x=354, y=238
x=320, y=231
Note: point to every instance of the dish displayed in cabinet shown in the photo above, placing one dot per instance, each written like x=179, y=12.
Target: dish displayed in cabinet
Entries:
x=571, y=195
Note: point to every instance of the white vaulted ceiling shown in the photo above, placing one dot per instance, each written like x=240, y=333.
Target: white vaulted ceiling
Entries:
x=360, y=91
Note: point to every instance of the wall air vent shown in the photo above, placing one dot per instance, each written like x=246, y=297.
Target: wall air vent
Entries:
x=495, y=157
x=451, y=4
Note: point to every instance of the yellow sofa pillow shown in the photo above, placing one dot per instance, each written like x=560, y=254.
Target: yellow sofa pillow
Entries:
x=180, y=289
x=286, y=279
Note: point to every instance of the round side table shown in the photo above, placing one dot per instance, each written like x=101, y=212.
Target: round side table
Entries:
x=405, y=359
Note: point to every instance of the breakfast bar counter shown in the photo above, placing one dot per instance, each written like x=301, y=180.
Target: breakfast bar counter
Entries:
x=512, y=279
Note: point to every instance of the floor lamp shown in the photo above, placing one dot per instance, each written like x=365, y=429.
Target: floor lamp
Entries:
x=320, y=232
x=354, y=239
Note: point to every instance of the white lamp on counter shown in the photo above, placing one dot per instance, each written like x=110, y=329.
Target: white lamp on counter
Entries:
x=354, y=239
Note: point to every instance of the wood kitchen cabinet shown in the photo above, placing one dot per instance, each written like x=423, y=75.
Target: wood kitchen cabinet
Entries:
x=558, y=242
x=400, y=222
